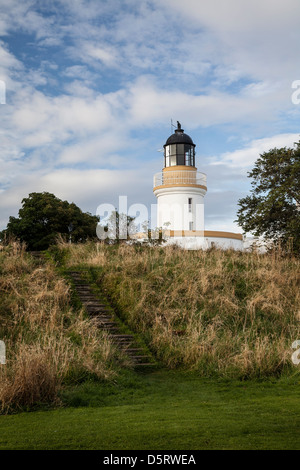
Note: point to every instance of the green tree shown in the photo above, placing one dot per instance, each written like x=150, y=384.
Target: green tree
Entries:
x=272, y=210
x=43, y=216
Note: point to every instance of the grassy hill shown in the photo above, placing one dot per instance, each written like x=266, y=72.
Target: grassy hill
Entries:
x=220, y=313
x=221, y=323
x=48, y=342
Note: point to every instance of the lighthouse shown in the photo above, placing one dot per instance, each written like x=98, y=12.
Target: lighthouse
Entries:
x=180, y=189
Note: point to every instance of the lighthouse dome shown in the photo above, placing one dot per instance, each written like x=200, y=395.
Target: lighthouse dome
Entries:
x=179, y=150
x=179, y=137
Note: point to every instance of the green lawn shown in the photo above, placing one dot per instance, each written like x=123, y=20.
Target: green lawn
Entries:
x=163, y=410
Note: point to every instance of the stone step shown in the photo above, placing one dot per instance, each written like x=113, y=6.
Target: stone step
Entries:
x=108, y=326
x=93, y=305
x=96, y=308
x=88, y=298
x=125, y=336
x=144, y=364
x=103, y=318
x=123, y=342
x=106, y=318
x=139, y=357
x=96, y=313
x=133, y=350
x=105, y=321
x=113, y=328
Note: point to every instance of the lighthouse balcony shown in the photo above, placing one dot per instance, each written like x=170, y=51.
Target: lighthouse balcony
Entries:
x=179, y=178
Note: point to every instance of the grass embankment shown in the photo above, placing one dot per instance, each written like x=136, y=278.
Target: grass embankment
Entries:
x=164, y=410
x=221, y=313
x=186, y=305
x=48, y=343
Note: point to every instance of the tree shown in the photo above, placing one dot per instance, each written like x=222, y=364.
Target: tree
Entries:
x=43, y=216
x=273, y=208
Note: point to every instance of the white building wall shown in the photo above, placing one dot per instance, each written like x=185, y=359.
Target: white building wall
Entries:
x=204, y=243
x=174, y=212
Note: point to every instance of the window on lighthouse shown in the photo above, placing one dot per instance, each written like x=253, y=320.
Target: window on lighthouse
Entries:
x=170, y=153
x=189, y=156
x=190, y=204
x=179, y=154
x=167, y=153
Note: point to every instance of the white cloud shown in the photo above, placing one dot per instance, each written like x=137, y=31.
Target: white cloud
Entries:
x=99, y=151
x=9, y=66
x=107, y=55
x=149, y=103
x=245, y=158
x=43, y=119
x=87, y=188
x=235, y=15
x=260, y=38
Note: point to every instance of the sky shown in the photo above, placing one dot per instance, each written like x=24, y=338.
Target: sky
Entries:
x=89, y=89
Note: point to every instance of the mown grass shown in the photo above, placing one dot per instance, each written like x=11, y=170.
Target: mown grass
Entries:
x=165, y=410
x=220, y=313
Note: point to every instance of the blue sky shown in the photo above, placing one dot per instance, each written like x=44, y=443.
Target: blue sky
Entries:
x=92, y=86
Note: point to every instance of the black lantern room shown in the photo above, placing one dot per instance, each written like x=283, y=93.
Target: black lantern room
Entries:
x=179, y=149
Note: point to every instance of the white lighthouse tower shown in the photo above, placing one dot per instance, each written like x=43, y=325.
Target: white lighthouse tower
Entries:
x=180, y=189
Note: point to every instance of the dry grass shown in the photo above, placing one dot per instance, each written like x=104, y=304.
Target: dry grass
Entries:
x=47, y=342
x=226, y=313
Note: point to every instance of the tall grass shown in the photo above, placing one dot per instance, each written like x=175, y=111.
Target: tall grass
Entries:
x=48, y=344
x=219, y=312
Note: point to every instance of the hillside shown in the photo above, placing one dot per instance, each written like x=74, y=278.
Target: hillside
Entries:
x=220, y=313
x=49, y=343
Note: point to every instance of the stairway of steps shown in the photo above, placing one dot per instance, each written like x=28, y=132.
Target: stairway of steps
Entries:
x=104, y=319
x=39, y=255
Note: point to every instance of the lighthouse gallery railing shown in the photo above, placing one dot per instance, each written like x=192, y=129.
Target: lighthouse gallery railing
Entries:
x=183, y=177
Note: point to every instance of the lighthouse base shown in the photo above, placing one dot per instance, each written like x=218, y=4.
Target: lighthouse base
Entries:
x=204, y=240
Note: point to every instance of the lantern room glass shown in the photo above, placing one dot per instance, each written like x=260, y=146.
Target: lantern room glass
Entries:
x=179, y=154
